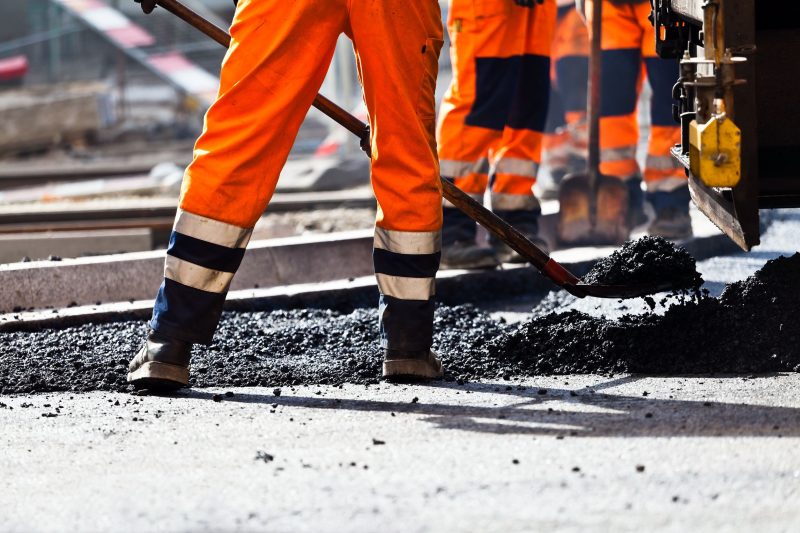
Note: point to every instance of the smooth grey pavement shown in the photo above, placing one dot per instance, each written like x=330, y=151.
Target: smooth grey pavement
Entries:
x=568, y=453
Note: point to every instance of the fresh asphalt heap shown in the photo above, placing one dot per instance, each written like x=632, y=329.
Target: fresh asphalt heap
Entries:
x=751, y=327
x=647, y=260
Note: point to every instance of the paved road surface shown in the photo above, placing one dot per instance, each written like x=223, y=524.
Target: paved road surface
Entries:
x=715, y=453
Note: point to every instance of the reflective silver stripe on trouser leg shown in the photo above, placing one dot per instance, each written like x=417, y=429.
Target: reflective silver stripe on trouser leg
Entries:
x=405, y=269
x=666, y=185
x=210, y=230
x=622, y=153
x=517, y=167
x=514, y=202
x=408, y=242
x=196, y=276
x=202, y=257
x=452, y=170
x=406, y=288
x=661, y=162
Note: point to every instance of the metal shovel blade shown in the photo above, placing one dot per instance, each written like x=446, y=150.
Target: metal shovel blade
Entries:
x=624, y=292
x=578, y=226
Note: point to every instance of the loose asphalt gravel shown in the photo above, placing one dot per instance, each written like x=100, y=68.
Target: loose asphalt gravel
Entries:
x=750, y=328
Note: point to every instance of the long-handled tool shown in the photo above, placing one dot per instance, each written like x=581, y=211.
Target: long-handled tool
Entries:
x=594, y=207
x=501, y=229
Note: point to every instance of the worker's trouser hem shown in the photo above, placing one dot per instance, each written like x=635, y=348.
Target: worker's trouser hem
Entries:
x=171, y=331
x=678, y=199
x=406, y=325
x=457, y=226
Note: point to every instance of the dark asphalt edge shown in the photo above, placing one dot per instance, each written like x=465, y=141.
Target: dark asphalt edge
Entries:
x=471, y=287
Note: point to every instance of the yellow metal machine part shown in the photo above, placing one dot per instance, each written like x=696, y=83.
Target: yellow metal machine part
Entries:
x=715, y=151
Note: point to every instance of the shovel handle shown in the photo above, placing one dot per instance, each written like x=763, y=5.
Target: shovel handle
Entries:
x=593, y=105
x=499, y=227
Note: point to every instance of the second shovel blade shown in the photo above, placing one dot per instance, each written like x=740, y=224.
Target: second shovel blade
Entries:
x=574, y=223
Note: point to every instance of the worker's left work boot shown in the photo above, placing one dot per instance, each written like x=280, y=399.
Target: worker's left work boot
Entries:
x=161, y=364
x=523, y=213
x=412, y=365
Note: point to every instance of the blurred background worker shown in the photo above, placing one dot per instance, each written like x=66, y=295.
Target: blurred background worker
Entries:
x=628, y=43
x=566, y=133
x=492, y=118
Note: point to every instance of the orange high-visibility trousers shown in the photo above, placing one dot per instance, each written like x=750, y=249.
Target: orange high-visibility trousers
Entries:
x=279, y=55
x=628, y=41
x=493, y=114
x=566, y=138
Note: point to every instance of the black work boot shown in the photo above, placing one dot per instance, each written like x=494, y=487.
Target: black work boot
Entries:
x=636, y=214
x=161, y=364
x=527, y=222
x=403, y=365
x=467, y=254
x=672, y=214
x=672, y=223
x=507, y=255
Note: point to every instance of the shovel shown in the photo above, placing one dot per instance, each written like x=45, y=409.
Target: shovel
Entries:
x=593, y=207
x=497, y=226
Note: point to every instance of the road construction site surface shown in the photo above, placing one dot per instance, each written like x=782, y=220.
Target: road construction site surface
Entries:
x=570, y=453
x=751, y=327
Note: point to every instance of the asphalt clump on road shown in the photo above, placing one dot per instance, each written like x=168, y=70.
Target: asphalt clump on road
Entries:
x=752, y=327
x=647, y=260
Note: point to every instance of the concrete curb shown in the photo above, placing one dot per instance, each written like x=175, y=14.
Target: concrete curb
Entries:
x=453, y=287
x=137, y=276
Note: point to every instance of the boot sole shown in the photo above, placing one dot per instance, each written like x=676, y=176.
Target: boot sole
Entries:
x=411, y=369
x=155, y=375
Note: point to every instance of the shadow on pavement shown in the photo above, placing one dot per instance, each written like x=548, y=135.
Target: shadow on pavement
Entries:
x=561, y=412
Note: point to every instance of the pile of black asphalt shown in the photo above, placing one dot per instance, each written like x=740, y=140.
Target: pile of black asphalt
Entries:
x=753, y=327
x=647, y=260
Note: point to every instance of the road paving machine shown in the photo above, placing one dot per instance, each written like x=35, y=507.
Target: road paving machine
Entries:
x=738, y=95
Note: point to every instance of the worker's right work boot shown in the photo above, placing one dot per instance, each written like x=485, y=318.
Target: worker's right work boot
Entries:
x=404, y=365
x=467, y=254
x=161, y=364
x=636, y=213
x=672, y=214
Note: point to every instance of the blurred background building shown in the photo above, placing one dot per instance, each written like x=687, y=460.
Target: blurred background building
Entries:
x=99, y=108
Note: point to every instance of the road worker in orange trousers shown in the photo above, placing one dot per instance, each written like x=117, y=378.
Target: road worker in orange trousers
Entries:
x=564, y=148
x=492, y=118
x=279, y=54
x=628, y=43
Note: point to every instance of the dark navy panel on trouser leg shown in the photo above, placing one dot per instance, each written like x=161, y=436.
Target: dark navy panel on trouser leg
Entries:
x=525, y=220
x=185, y=313
x=495, y=88
x=511, y=91
x=678, y=199
x=206, y=254
x=197, y=275
x=572, y=78
x=620, y=77
x=662, y=75
x=529, y=105
x=406, y=317
x=406, y=325
x=555, y=112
